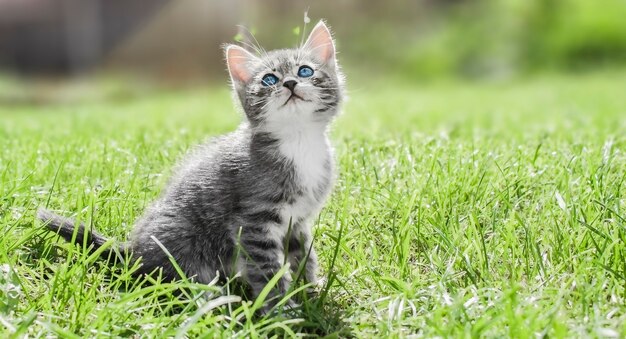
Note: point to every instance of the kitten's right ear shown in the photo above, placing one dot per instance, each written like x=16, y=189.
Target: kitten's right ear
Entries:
x=239, y=63
x=320, y=43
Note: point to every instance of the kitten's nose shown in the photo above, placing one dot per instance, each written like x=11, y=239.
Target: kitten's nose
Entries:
x=291, y=84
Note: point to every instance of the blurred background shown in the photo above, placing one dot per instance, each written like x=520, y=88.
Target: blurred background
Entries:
x=177, y=43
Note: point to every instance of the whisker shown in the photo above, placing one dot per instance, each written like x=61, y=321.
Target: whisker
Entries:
x=250, y=41
x=269, y=101
x=262, y=101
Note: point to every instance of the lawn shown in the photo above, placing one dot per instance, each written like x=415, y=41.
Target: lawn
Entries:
x=492, y=209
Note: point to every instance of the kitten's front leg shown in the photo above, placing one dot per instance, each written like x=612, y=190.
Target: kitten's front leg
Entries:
x=301, y=249
x=261, y=257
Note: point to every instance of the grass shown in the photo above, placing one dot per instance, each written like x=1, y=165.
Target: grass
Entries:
x=460, y=211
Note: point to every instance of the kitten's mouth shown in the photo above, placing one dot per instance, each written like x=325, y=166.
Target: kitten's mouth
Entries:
x=294, y=96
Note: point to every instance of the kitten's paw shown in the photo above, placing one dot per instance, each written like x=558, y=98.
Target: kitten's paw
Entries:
x=291, y=304
x=315, y=287
x=278, y=308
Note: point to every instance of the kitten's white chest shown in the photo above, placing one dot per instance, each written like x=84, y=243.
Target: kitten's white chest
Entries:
x=310, y=154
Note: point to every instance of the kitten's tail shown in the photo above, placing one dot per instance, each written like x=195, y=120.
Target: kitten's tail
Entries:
x=66, y=228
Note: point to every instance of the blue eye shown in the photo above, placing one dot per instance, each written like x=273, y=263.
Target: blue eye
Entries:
x=305, y=72
x=269, y=80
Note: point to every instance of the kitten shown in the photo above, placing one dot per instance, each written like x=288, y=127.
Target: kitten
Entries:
x=244, y=202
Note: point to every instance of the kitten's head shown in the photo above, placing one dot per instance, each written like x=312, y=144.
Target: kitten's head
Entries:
x=288, y=86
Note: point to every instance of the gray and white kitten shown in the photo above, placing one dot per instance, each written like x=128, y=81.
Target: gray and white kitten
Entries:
x=244, y=202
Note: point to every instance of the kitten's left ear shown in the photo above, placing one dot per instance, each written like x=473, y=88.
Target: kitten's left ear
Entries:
x=320, y=43
x=239, y=63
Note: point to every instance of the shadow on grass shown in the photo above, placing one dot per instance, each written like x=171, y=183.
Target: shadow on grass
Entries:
x=321, y=315
x=324, y=319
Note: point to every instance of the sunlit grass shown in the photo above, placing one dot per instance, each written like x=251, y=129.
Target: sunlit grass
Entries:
x=484, y=210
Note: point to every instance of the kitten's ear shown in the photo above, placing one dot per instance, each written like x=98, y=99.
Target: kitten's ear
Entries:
x=320, y=44
x=239, y=63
